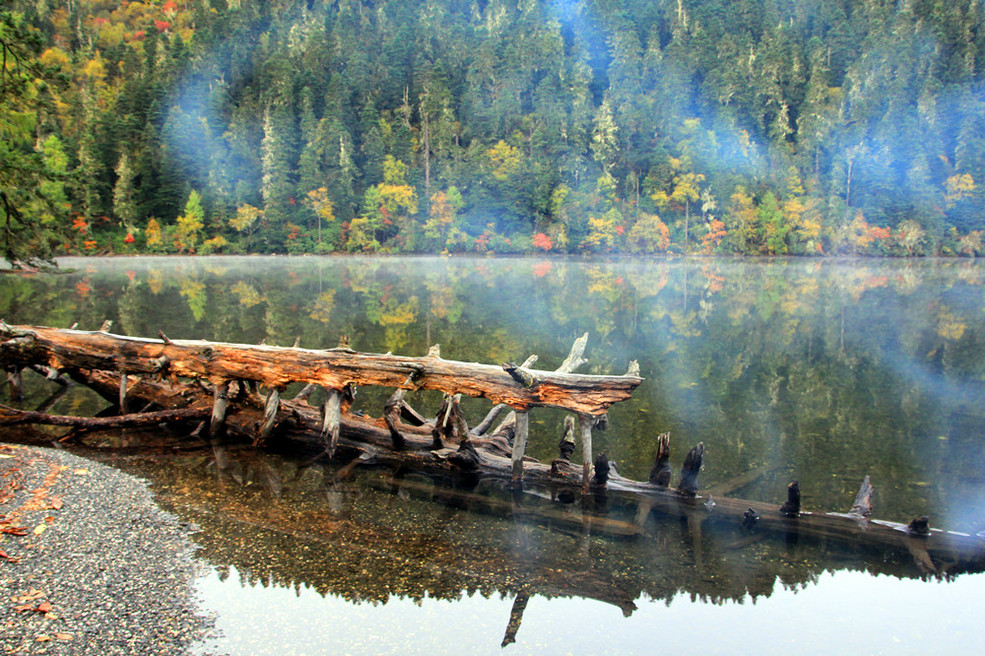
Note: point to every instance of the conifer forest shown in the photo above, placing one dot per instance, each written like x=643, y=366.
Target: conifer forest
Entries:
x=756, y=127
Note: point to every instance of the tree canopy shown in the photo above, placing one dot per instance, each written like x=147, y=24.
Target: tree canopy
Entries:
x=645, y=126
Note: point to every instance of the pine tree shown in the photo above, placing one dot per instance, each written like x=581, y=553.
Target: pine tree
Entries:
x=124, y=194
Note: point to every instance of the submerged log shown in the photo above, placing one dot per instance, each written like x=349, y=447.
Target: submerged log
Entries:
x=276, y=367
x=297, y=424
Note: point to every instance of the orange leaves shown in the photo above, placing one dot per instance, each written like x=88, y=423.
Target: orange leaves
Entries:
x=32, y=602
x=543, y=242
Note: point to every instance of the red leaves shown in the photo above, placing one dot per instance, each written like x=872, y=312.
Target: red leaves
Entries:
x=13, y=530
x=5, y=556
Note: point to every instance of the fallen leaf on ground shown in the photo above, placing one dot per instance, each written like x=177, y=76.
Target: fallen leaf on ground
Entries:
x=81, y=472
x=44, y=607
x=56, y=503
x=13, y=530
x=39, y=529
x=64, y=636
x=43, y=638
x=6, y=556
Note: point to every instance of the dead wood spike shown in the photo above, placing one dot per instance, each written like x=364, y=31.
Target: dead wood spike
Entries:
x=331, y=418
x=521, y=430
x=220, y=404
x=660, y=474
x=483, y=426
x=585, y=429
x=566, y=446
x=919, y=526
x=863, y=500
x=524, y=378
x=791, y=508
x=689, y=471
x=123, y=393
x=107, y=324
x=391, y=415
x=466, y=458
x=270, y=408
x=164, y=338
x=602, y=469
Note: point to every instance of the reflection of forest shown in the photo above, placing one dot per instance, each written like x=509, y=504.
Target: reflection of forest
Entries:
x=373, y=535
x=368, y=535
x=823, y=370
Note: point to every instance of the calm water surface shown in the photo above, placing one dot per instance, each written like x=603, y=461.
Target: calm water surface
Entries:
x=816, y=371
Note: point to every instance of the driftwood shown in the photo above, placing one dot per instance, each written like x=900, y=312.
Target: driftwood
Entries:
x=477, y=454
x=275, y=367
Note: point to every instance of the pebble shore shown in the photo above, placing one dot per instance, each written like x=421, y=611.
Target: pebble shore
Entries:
x=88, y=563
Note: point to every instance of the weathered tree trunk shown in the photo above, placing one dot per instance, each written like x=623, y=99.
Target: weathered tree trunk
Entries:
x=275, y=367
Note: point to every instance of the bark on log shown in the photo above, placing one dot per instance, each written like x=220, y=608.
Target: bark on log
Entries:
x=276, y=367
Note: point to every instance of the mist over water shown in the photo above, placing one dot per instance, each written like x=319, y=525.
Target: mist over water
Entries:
x=820, y=371
x=817, y=371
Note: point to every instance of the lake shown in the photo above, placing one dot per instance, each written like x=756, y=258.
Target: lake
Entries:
x=819, y=371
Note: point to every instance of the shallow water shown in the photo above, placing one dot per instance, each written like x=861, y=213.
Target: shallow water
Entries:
x=816, y=371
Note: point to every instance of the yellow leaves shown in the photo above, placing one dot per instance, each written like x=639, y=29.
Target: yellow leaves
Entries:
x=660, y=199
x=320, y=202
x=247, y=294
x=194, y=293
x=505, y=160
x=398, y=314
x=686, y=187
x=601, y=233
x=957, y=188
x=57, y=58
x=649, y=235
x=153, y=234
x=321, y=310
x=94, y=70
x=394, y=171
x=397, y=197
x=247, y=218
x=949, y=325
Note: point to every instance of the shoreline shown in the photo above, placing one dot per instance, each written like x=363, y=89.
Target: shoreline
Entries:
x=89, y=564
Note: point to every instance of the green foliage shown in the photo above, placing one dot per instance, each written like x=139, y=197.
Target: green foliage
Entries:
x=564, y=124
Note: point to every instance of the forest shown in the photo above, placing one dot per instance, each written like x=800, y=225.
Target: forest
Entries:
x=756, y=127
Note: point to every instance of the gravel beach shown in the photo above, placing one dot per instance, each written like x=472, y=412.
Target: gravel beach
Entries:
x=88, y=563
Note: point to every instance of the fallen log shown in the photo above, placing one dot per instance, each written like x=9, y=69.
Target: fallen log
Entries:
x=275, y=367
x=13, y=416
x=369, y=438
x=295, y=423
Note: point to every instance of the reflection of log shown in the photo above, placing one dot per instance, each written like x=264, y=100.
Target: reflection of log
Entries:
x=275, y=367
x=516, y=616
